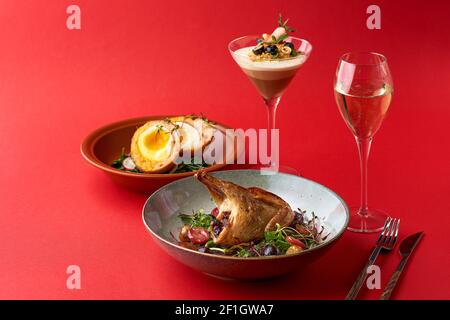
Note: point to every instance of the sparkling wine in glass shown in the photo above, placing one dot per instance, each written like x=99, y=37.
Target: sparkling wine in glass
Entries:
x=363, y=91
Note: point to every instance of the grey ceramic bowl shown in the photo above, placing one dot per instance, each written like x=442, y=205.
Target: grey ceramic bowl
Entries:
x=184, y=195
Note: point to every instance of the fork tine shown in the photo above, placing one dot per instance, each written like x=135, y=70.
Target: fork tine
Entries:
x=394, y=226
x=388, y=226
x=396, y=232
x=388, y=236
x=385, y=227
x=391, y=233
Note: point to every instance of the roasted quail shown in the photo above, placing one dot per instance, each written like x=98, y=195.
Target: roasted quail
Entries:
x=245, y=213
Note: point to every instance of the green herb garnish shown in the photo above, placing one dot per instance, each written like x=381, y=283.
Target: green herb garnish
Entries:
x=277, y=238
x=194, y=116
x=159, y=128
x=175, y=128
x=118, y=163
x=194, y=165
x=197, y=219
x=283, y=24
x=247, y=252
x=282, y=38
x=303, y=229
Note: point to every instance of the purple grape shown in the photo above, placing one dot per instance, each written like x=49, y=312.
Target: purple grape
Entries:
x=270, y=250
x=203, y=249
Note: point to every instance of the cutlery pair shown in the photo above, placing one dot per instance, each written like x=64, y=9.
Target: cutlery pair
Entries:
x=385, y=243
x=406, y=248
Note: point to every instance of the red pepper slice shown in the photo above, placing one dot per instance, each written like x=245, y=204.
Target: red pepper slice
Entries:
x=295, y=242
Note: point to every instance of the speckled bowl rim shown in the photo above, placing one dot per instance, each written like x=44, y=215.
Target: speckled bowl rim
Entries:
x=326, y=243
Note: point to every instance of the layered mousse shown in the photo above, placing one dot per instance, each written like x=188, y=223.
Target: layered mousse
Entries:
x=271, y=77
x=272, y=62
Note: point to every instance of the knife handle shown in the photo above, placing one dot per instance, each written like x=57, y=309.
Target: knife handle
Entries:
x=353, y=293
x=393, y=280
x=391, y=285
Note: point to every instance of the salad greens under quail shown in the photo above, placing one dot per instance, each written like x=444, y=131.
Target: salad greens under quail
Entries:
x=302, y=234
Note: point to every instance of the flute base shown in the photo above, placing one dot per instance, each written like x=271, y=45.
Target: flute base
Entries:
x=366, y=221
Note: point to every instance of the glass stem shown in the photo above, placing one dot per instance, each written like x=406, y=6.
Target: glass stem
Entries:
x=272, y=105
x=364, y=150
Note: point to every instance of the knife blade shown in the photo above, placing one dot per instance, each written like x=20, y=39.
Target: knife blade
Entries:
x=406, y=248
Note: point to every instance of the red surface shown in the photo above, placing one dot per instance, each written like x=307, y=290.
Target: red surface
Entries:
x=139, y=58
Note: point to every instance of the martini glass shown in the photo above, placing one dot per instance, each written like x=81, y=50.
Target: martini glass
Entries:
x=363, y=90
x=270, y=78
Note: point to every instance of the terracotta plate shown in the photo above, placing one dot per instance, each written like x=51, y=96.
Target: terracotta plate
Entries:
x=101, y=147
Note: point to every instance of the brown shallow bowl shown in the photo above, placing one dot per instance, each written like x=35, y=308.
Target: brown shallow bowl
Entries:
x=182, y=196
x=102, y=146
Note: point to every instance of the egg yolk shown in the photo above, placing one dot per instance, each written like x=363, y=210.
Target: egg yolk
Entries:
x=156, y=140
x=154, y=145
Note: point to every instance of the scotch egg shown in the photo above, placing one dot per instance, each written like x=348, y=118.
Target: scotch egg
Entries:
x=190, y=138
x=155, y=146
x=203, y=127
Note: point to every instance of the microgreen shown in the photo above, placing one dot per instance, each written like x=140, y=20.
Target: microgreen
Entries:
x=175, y=125
x=118, y=162
x=206, y=119
x=194, y=165
x=194, y=116
x=197, y=219
x=175, y=128
x=160, y=127
x=282, y=38
x=278, y=238
x=283, y=24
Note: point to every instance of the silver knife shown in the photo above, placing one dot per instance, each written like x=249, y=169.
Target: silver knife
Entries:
x=406, y=248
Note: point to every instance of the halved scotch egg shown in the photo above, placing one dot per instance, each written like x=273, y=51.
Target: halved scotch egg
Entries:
x=155, y=146
x=190, y=138
x=203, y=127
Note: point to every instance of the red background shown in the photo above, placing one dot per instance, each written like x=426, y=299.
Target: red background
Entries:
x=135, y=58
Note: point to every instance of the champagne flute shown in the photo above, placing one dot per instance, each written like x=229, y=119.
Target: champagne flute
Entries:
x=363, y=91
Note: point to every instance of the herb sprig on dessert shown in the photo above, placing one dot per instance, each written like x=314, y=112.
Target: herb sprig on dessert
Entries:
x=275, y=46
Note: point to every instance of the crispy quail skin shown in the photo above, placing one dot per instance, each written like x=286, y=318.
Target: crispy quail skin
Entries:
x=246, y=213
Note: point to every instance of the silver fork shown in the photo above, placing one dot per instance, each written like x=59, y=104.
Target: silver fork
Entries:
x=385, y=242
